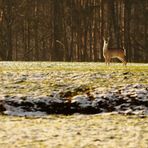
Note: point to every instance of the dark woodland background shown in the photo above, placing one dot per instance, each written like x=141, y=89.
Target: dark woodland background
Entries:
x=72, y=30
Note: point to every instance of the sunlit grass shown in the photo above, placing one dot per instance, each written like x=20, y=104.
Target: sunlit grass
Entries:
x=74, y=131
x=40, y=78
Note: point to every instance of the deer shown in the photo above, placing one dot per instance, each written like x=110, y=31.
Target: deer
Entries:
x=109, y=53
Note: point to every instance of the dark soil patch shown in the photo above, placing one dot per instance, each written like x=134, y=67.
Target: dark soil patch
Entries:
x=129, y=99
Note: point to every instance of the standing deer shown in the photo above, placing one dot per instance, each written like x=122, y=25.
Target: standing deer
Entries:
x=110, y=53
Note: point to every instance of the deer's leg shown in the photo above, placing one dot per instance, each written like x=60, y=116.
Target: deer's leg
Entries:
x=108, y=59
x=123, y=61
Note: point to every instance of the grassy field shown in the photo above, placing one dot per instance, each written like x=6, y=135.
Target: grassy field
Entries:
x=42, y=78
x=75, y=131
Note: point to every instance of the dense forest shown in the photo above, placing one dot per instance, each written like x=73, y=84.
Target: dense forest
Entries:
x=72, y=30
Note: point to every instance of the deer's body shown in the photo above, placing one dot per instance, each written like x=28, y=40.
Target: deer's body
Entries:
x=110, y=53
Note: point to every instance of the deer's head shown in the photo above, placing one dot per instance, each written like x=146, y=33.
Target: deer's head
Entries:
x=106, y=41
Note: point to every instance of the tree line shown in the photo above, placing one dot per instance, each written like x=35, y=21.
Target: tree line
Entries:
x=72, y=30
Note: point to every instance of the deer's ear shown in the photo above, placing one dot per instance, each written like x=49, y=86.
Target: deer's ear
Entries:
x=108, y=38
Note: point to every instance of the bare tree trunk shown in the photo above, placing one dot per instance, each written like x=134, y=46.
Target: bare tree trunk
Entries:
x=145, y=6
x=8, y=18
x=36, y=31
x=127, y=19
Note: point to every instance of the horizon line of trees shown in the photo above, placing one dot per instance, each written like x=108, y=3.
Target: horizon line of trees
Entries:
x=72, y=30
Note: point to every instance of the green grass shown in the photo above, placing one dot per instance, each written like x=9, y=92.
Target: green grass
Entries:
x=42, y=78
